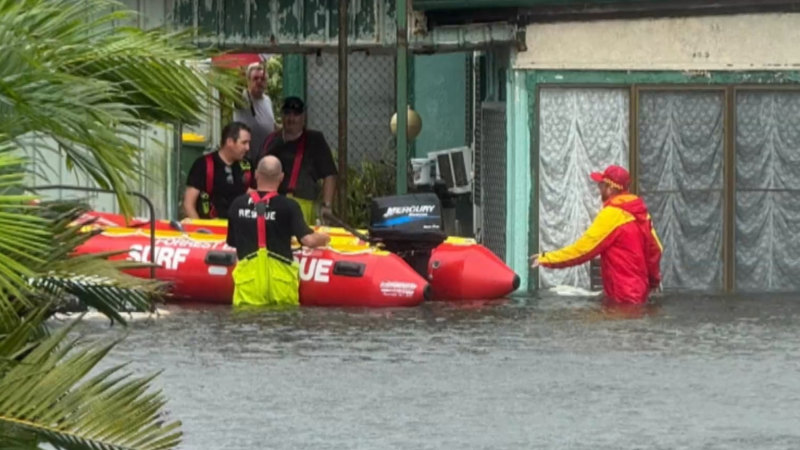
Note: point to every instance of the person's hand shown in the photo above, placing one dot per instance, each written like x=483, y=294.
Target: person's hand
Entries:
x=534, y=261
x=324, y=211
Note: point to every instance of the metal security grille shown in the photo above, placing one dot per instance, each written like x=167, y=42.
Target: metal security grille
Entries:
x=469, y=101
x=475, y=116
x=493, y=174
x=371, y=102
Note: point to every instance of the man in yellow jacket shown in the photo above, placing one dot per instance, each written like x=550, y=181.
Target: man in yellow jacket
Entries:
x=622, y=235
x=261, y=224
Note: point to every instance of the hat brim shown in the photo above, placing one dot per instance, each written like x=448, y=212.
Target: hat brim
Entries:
x=596, y=176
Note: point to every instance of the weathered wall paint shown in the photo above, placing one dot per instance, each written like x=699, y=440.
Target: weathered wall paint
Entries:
x=733, y=42
x=275, y=23
x=430, y=5
x=302, y=25
x=440, y=99
x=534, y=80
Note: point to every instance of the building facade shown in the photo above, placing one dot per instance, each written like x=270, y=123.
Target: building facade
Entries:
x=700, y=100
x=704, y=111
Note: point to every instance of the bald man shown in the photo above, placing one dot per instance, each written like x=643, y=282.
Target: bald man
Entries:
x=261, y=224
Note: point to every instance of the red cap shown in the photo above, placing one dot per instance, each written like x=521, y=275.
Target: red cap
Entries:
x=615, y=176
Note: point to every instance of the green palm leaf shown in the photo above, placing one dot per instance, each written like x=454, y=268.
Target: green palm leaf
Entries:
x=72, y=77
x=42, y=395
x=116, y=81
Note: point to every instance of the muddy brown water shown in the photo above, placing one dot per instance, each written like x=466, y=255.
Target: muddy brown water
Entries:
x=540, y=372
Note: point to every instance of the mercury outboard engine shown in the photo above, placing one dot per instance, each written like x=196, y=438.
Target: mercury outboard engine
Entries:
x=408, y=225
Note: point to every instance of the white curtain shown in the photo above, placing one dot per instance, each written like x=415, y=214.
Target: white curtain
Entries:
x=680, y=162
x=767, y=191
x=580, y=131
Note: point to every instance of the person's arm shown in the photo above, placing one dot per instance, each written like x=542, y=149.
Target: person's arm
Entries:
x=325, y=169
x=315, y=240
x=230, y=239
x=189, y=201
x=195, y=183
x=328, y=191
x=594, y=241
x=270, y=122
x=302, y=232
x=238, y=114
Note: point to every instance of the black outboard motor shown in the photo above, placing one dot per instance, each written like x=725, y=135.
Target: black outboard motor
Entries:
x=408, y=225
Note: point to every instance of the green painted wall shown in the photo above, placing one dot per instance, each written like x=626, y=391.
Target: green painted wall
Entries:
x=439, y=87
x=294, y=76
x=523, y=106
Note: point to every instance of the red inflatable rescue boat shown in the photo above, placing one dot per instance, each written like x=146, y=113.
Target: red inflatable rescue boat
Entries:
x=421, y=262
x=198, y=268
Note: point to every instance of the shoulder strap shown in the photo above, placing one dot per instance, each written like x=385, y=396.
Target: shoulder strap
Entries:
x=298, y=161
x=209, y=173
x=261, y=222
x=247, y=174
x=210, y=183
x=265, y=148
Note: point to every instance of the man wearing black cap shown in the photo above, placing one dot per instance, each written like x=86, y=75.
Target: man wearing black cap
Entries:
x=306, y=159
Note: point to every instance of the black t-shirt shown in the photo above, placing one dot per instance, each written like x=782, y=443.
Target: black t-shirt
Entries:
x=317, y=163
x=287, y=221
x=229, y=182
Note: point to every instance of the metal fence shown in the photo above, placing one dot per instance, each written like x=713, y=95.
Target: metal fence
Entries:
x=492, y=150
x=371, y=102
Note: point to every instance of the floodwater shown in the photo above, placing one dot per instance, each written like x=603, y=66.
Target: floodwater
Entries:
x=552, y=372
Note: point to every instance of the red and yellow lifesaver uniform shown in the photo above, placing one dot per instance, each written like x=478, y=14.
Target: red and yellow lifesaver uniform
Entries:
x=623, y=236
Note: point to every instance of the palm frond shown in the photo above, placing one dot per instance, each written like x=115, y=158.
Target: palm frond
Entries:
x=37, y=266
x=25, y=243
x=68, y=71
x=20, y=339
x=85, y=88
x=41, y=395
x=95, y=281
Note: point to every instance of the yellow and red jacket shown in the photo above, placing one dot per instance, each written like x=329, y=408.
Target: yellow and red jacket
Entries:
x=623, y=236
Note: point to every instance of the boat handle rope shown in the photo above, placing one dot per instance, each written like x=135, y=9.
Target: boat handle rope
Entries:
x=351, y=230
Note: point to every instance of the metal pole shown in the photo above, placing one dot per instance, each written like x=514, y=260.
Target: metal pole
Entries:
x=342, y=178
x=175, y=177
x=402, y=96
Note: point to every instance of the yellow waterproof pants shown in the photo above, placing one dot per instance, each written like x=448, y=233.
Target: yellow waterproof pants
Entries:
x=266, y=280
x=308, y=209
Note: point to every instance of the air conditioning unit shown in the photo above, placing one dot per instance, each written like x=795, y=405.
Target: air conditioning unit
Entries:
x=454, y=167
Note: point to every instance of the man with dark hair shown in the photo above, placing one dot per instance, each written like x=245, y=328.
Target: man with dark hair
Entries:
x=622, y=235
x=217, y=178
x=306, y=159
x=260, y=228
